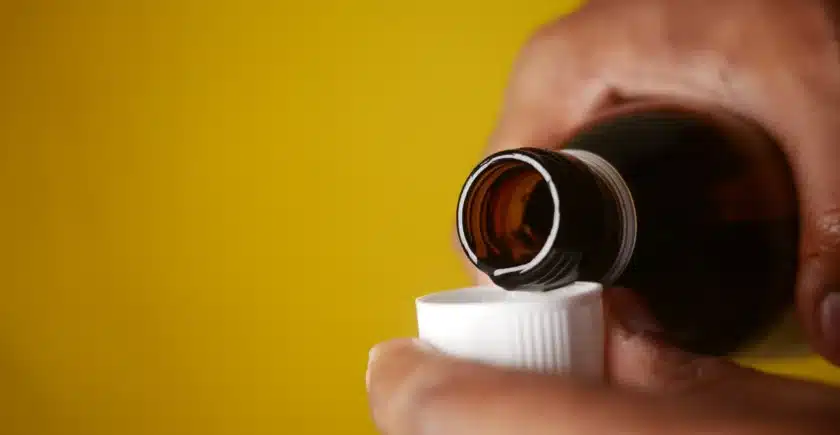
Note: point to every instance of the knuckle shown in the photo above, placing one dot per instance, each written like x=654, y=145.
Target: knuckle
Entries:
x=557, y=41
x=541, y=50
x=551, y=30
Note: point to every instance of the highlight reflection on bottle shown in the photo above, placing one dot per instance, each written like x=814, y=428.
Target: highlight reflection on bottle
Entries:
x=696, y=211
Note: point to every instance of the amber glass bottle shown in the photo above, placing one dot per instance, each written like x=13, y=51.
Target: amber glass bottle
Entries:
x=694, y=210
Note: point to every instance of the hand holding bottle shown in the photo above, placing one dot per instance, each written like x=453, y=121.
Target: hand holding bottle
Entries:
x=776, y=62
x=652, y=388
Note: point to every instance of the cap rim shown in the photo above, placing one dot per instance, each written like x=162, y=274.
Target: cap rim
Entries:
x=572, y=294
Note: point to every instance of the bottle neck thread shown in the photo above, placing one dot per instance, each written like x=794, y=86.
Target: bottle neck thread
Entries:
x=620, y=193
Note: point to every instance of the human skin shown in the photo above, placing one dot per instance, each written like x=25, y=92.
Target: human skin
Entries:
x=774, y=61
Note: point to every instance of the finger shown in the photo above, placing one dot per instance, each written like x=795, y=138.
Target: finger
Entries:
x=414, y=390
x=639, y=359
x=815, y=153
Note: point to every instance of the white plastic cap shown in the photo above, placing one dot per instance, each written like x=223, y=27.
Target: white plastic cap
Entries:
x=560, y=331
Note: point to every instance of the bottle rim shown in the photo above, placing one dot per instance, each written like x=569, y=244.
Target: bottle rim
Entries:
x=555, y=224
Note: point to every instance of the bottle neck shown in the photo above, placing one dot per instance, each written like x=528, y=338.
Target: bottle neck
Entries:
x=534, y=219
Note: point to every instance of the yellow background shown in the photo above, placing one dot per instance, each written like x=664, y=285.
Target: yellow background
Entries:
x=209, y=210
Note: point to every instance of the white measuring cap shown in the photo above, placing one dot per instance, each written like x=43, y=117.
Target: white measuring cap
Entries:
x=558, y=331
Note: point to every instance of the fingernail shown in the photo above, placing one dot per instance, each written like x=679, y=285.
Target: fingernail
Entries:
x=390, y=346
x=372, y=355
x=830, y=322
x=423, y=346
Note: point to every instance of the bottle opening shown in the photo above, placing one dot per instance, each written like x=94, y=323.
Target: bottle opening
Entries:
x=510, y=209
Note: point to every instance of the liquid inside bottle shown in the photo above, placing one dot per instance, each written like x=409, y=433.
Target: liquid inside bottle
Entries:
x=697, y=214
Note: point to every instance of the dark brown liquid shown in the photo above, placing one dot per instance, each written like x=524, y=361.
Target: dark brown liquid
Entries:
x=716, y=249
x=515, y=214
